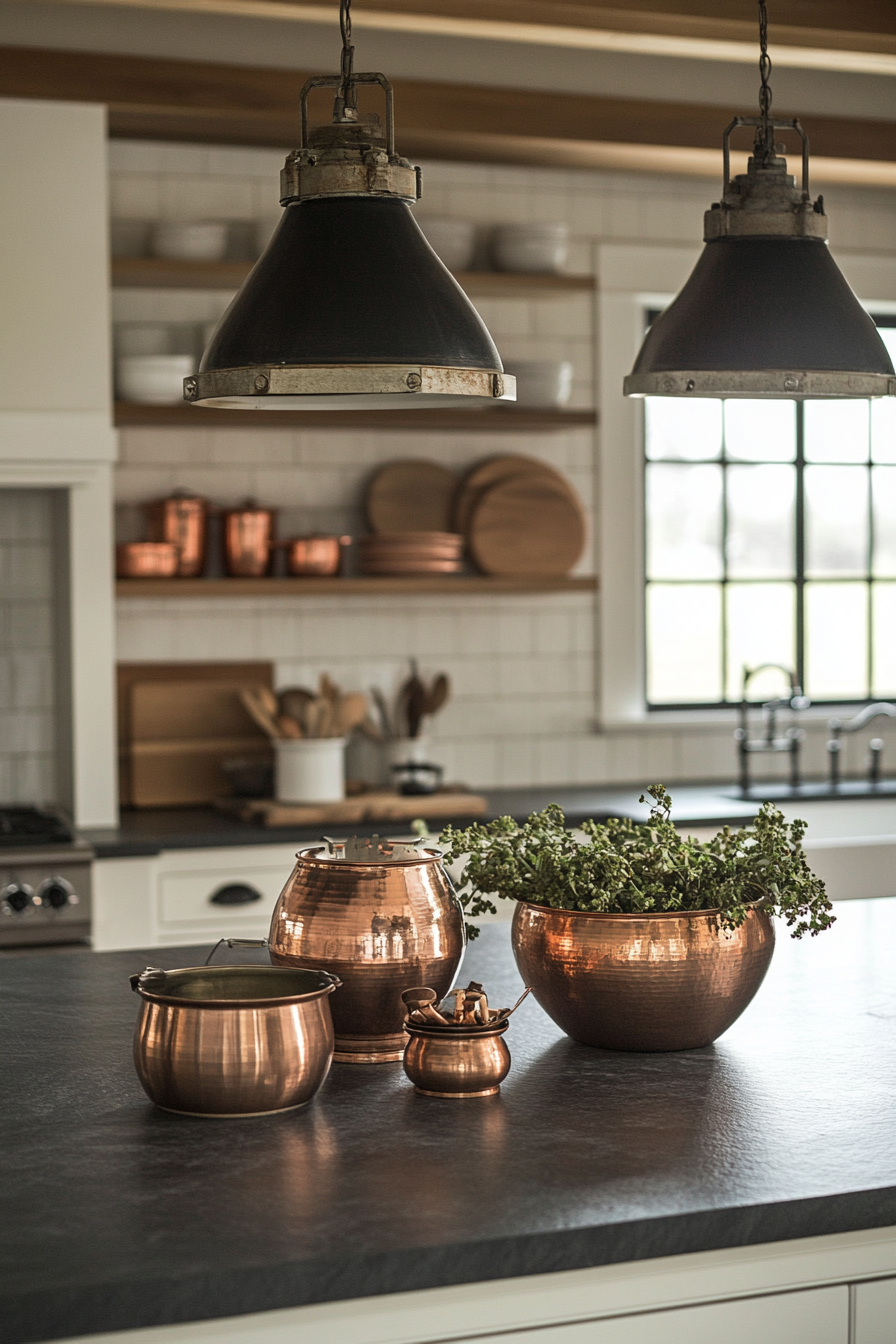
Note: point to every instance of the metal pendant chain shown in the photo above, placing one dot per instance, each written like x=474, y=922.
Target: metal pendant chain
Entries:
x=765, y=135
x=346, y=108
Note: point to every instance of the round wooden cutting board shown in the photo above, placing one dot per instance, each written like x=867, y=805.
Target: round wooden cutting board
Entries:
x=494, y=469
x=411, y=495
x=526, y=525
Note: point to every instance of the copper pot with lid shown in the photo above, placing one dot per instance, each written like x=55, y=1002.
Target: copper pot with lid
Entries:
x=248, y=540
x=383, y=917
x=181, y=519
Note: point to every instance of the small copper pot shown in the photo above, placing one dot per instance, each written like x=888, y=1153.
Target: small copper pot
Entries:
x=381, y=927
x=452, y=1062
x=146, y=560
x=229, y=1041
x=181, y=519
x=315, y=555
x=663, y=981
x=248, y=539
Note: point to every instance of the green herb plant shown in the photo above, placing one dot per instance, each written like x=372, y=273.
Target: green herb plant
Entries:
x=629, y=867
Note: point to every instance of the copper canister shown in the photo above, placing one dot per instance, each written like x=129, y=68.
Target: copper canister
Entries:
x=181, y=519
x=315, y=555
x=248, y=539
x=382, y=924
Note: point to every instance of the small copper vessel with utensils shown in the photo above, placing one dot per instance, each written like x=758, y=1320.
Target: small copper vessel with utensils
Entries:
x=459, y=1052
x=383, y=917
x=146, y=560
x=181, y=519
x=315, y=555
x=248, y=540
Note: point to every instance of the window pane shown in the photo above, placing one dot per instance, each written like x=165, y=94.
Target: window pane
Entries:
x=684, y=643
x=836, y=641
x=836, y=431
x=884, y=616
x=684, y=430
x=836, y=521
x=761, y=629
x=761, y=522
x=883, y=499
x=883, y=428
x=760, y=431
x=684, y=522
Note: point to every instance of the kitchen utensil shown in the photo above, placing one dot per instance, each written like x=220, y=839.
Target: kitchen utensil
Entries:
x=411, y=495
x=309, y=769
x=232, y=1041
x=293, y=701
x=542, y=382
x=259, y=711
x=315, y=554
x=145, y=560
x=437, y=695
x=248, y=537
x=456, y=1062
x=153, y=378
x=524, y=526
x=289, y=727
x=181, y=519
x=390, y=921
x=198, y=240
x=351, y=711
x=420, y=1004
x=530, y=247
x=500, y=468
x=452, y=240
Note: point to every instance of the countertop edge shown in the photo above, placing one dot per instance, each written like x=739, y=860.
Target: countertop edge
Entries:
x=129, y=1304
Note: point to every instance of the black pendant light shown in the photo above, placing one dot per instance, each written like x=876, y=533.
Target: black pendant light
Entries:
x=349, y=308
x=766, y=311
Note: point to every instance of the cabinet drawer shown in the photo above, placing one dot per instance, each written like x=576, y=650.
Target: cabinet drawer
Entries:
x=186, y=897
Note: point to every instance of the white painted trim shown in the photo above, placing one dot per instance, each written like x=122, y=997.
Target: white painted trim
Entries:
x=57, y=436
x=630, y=279
x=480, y=1310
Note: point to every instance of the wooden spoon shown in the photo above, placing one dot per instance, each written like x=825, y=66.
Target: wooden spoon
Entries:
x=266, y=721
x=351, y=711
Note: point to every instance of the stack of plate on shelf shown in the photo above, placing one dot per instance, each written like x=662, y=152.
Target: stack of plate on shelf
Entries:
x=520, y=518
x=426, y=552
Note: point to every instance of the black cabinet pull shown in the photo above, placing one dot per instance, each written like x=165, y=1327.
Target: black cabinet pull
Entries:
x=235, y=893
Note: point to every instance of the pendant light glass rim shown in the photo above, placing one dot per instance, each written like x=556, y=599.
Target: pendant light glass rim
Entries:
x=755, y=384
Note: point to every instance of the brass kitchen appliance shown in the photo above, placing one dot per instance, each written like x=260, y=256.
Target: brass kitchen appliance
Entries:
x=181, y=519
x=146, y=560
x=248, y=539
x=315, y=555
x=456, y=1053
x=383, y=917
x=231, y=1041
x=660, y=981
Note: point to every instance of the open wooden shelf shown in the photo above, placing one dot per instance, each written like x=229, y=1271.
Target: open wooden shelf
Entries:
x=505, y=419
x=156, y=273
x=354, y=587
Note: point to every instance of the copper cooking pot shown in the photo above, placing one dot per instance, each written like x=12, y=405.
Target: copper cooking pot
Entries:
x=381, y=917
x=181, y=519
x=248, y=540
x=228, y=1041
x=146, y=560
x=452, y=1062
x=668, y=980
x=315, y=555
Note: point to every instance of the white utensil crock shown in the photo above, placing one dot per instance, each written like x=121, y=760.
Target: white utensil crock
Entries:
x=310, y=770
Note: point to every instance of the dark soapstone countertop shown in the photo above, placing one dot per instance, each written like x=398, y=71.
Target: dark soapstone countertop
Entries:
x=150, y=830
x=117, y=1215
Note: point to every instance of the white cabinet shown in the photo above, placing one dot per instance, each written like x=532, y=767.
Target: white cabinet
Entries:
x=188, y=896
x=875, y=1312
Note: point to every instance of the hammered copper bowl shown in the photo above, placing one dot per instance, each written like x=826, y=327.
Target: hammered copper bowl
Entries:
x=229, y=1041
x=664, y=981
x=451, y=1062
x=381, y=927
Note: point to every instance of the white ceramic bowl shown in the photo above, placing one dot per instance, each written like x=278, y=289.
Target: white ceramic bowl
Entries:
x=140, y=338
x=452, y=240
x=530, y=247
x=158, y=378
x=199, y=240
x=542, y=383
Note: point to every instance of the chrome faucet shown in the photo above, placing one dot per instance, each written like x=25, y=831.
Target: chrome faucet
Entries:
x=769, y=741
x=880, y=710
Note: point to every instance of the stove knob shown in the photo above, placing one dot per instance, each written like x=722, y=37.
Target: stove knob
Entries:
x=56, y=893
x=16, y=897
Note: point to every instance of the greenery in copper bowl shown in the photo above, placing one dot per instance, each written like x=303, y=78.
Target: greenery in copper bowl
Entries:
x=629, y=867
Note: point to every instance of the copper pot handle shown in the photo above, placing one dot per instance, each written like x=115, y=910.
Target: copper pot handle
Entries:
x=236, y=942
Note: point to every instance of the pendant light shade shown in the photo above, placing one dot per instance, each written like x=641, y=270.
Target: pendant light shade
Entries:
x=766, y=311
x=349, y=308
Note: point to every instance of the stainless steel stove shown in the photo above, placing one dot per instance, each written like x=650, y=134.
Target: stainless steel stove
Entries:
x=44, y=879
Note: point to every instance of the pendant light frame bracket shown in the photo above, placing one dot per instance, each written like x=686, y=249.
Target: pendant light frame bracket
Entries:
x=260, y=382
x=760, y=383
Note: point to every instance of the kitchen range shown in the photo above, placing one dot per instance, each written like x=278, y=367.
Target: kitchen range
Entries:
x=45, y=879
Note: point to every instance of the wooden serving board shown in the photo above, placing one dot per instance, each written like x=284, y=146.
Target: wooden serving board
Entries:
x=494, y=469
x=367, y=807
x=411, y=495
x=524, y=525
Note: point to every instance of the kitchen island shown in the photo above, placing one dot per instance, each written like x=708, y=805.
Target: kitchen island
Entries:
x=602, y=1196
